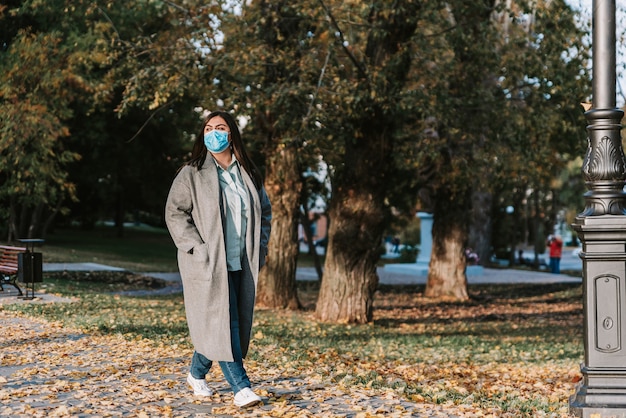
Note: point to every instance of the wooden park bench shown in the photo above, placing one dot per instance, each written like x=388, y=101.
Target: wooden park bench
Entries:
x=9, y=266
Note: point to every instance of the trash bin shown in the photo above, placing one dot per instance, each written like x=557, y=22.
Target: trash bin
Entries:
x=30, y=267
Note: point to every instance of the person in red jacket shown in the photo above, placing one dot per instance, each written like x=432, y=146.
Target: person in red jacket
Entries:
x=555, y=244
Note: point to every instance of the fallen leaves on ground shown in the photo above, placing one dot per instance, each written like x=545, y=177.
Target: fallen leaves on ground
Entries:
x=51, y=369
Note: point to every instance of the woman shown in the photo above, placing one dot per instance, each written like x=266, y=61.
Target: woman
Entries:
x=218, y=215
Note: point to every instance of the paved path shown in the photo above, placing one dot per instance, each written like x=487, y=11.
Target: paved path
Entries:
x=485, y=276
x=50, y=370
x=400, y=276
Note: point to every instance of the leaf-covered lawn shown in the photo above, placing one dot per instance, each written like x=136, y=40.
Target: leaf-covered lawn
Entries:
x=511, y=351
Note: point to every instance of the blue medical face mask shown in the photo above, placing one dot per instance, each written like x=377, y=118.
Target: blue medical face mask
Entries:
x=216, y=141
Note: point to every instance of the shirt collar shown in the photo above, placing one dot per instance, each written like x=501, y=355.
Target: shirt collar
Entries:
x=232, y=162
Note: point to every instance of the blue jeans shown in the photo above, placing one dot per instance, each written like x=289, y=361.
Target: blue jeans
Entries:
x=555, y=265
x=234, y=371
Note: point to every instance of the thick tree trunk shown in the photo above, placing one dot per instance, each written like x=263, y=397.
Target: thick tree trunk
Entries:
x=446, y=272
x=481, y=225
x=539, y=242
x=366, y=170
x=34, y=229
x=350, y=277
x=48, y=223
x=472, y=80
x=277, y=280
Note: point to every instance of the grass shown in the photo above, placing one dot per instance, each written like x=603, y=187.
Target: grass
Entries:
x=513, y=349
x=140, y=249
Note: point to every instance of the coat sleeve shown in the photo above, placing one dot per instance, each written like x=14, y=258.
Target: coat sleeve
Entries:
x=179, y=213
x=266, y=225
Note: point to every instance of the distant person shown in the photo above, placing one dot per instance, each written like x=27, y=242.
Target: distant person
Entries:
x=395, y=242
x=471, y=257
x=555, y=245
x=218, y=215
x=520, y=257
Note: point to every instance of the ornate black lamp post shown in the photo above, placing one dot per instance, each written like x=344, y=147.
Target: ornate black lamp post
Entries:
x=602, y=230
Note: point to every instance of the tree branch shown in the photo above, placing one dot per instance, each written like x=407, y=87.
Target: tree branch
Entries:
x=621, y=90
x=147, y=121
x=176, y=6
x=357, y=64
x=110, y=21
x=317, y=90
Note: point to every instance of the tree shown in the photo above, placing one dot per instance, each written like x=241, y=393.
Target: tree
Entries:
x=545, y=116
x=480, y=149
x=270, y=67
x=33, y=109
x=77, y=82
x=150, y=87
x=392, y=97
x=372, y=46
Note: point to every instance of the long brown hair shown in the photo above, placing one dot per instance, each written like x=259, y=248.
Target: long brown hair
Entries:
x=199, y=152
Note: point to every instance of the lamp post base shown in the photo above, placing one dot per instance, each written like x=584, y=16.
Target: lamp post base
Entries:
x=601, y=394
x=598, y=411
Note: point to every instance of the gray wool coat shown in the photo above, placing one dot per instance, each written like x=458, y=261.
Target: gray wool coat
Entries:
x=194, y=216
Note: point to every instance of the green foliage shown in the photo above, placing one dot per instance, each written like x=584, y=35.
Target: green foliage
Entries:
x=117, y=82
x=410, y=232
x=34, y=106
x=272, y=80
x=546, y=134
x=162, y=53
x=453, y=97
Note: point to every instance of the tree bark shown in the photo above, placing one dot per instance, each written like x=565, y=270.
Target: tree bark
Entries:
x=365, y=169
x=50, y=219
x=277, y=280
x=350, y=277
x=446, y=272
x=481, y=225
x=465, y=133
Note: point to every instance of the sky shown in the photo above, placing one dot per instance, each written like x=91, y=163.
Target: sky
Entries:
x=585, y=7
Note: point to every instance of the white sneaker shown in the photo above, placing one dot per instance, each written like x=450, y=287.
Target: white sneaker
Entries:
x=200, y=386
x=246, y=397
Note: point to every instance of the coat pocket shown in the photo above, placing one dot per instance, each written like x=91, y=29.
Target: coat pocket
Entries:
x=200, y=253
x=196, y=265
